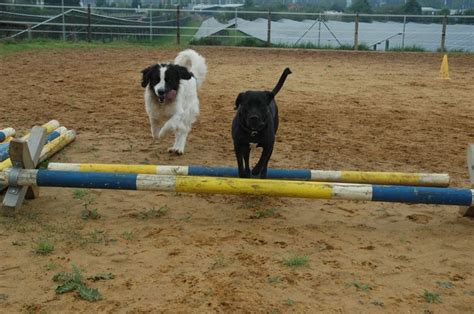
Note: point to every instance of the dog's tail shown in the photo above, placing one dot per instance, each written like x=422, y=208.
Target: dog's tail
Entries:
x=281, y=81
x=194, y=62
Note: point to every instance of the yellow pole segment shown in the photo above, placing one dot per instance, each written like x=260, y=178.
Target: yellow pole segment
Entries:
x=395, y=178
x=215, y=185
x=118, y=168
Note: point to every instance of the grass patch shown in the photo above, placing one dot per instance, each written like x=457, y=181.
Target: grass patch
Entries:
x=274, y=279
x=43, y=247
x=151, y=213
x=128, y=235
x=264, y=213
x=289, y=302
x=96, y=236
x=87, y=214
x=413, y=48
x=74, y=282
x=79, y=194
x=359, y=285
x=296, y=261
x=445, y=284
x=220, y=262
x=432, y=297
x=169, y=40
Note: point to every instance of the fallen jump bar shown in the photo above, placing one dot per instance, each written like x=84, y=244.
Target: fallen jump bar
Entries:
x=390, y=178
x=213, y=185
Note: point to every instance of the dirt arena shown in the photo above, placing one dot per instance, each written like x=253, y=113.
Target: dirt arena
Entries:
x=185, y=253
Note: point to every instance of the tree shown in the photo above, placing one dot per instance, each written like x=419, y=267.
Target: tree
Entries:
x=444, y=11
x=101, y=3
x=248, y=3
x=361, y=6
x=412, y=7
x=69, y=3
x=136, y=3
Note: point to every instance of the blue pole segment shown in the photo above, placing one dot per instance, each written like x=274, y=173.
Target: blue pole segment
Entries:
x=4, y=148
x=90, y=180
x=421, y=195
x=301, y=174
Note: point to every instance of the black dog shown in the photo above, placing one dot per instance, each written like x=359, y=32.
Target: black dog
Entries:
x=256, y=121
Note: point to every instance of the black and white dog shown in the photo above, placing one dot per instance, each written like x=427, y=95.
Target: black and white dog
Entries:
x=171, y=96
x=256, y=121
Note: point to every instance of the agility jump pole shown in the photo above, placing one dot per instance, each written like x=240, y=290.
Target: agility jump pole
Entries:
x=212, y=185
x=6, y=133
x=50, y=126
x=4, y=154
x=383, y=178
x=49, y=149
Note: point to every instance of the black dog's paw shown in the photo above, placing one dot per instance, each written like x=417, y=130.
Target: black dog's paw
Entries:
x=256, y=171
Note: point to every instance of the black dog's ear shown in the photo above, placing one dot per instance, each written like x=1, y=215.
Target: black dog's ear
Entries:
x=146, y=75
x=183, y=72
x=238, y=100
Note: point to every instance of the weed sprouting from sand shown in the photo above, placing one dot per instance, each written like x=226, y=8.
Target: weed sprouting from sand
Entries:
x=296, y=261
x=152, y=213
x=274, y=279
x=74, y=281
x=79, y=194
x=43, y=247
x=128, y=235
x=432, y=297
x=359, y=285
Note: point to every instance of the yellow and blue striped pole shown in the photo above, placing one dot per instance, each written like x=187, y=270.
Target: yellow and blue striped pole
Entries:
x=4, y=147
x=6, y=133
x=385, y=178
x=49, y=149
x=213, y=185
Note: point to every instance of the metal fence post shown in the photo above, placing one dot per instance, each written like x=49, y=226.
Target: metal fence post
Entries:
x=89, y=22
x=443, y=34
x=269, y=29
x=356, y=33
x=403, y=34
x=178, y=40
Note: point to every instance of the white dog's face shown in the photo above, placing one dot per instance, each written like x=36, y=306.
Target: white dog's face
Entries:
x=163, y=80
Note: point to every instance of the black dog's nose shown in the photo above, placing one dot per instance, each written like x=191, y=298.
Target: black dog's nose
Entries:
x=161, y=92
x=254, y=118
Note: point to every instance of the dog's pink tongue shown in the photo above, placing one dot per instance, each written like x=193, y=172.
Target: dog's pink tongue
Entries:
x=171, y=94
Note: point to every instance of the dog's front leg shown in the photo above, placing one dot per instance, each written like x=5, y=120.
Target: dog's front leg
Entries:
x=262, y=164
x=155, y=129
x=239, y=154
x=246, y=155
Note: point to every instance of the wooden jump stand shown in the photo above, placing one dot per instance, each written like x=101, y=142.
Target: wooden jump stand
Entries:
x=24, y=154
x=469, y=211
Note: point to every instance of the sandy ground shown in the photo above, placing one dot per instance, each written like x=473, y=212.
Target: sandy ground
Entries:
x=339, y=110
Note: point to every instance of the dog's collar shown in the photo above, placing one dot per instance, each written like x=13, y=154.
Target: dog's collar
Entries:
x=252, y=133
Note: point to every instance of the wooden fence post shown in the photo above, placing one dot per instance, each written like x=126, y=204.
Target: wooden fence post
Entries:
x=30, y=36
x=178, y=40
x=443, y=34
x=269, y=29
x=89, y=22
x=356, y=33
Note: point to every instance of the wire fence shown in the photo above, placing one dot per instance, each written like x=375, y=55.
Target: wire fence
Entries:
x=238, y=27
